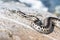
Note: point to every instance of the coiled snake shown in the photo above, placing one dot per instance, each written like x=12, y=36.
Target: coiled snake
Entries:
x=38, y=25
x=47, y=28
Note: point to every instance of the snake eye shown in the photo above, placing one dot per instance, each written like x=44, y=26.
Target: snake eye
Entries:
x=38, y=22
x=38, y=28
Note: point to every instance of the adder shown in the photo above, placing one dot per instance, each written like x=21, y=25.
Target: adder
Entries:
x=39, y=26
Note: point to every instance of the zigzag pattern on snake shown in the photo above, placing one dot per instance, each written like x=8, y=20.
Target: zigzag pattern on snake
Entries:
x=49, y=27
x=38, y=25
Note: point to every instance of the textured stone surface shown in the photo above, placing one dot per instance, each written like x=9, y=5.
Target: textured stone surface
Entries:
x=12, y=31
x=14, y=27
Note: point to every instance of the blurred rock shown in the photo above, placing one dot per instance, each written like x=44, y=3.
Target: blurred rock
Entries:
x=13, y=26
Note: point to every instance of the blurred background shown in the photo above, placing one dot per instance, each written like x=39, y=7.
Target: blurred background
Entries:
x=52, y=6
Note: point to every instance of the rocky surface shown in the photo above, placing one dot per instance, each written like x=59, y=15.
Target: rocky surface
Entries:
x=13, y=26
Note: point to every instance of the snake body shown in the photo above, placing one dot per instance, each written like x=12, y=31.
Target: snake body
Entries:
x=38, y=25
x=49, y=27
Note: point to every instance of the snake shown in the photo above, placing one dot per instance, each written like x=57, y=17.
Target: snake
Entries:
x=48, y=28
x=39, y=26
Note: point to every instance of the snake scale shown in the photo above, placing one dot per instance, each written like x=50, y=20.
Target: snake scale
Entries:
x=38, y=25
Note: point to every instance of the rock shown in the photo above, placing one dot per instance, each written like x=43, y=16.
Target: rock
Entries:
x=13, y=26
x=10, y=30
